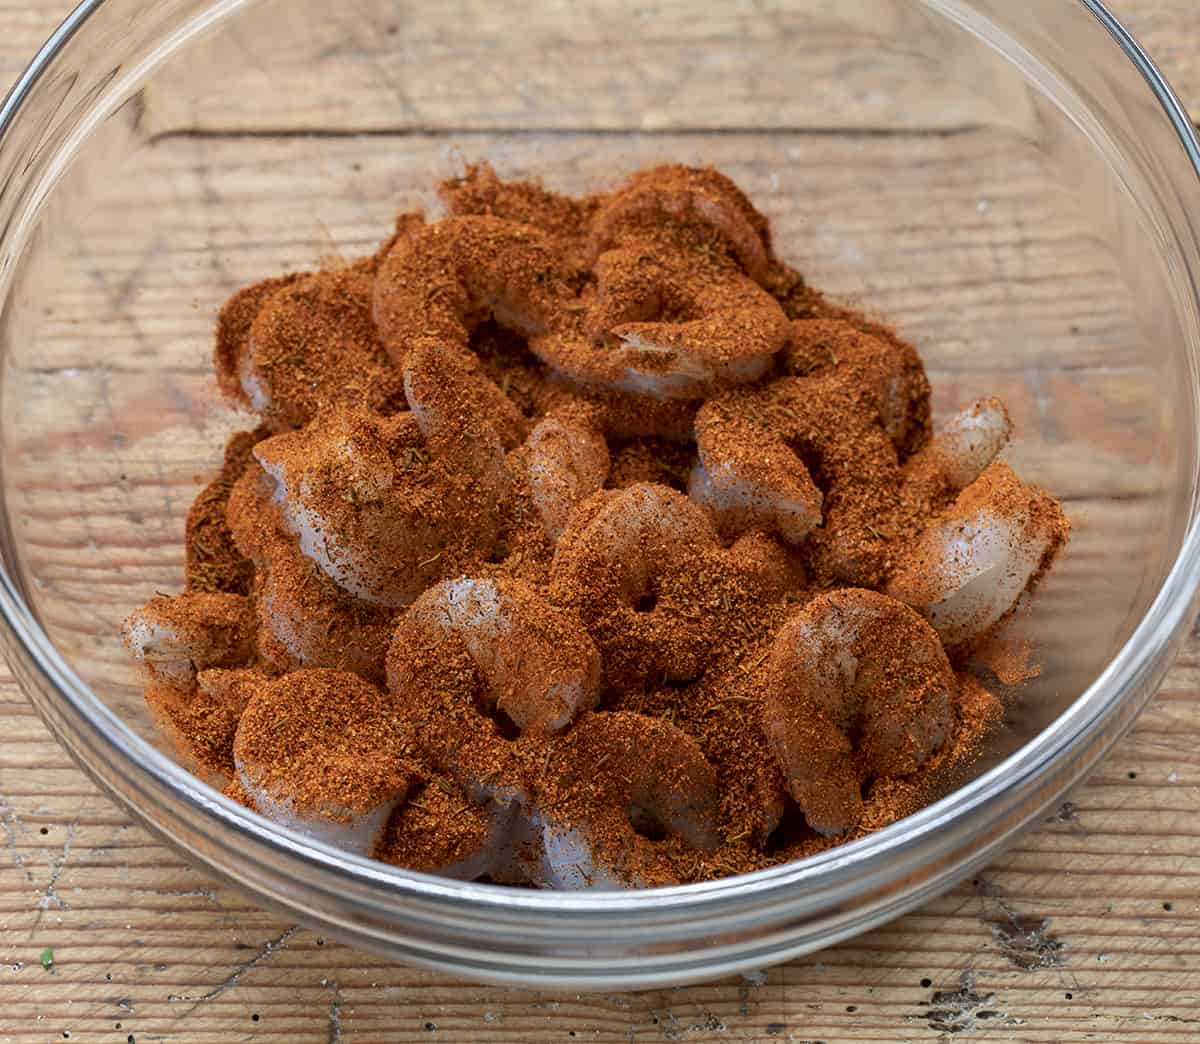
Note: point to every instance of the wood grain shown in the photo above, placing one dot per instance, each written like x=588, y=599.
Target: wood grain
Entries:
x=1086, y=930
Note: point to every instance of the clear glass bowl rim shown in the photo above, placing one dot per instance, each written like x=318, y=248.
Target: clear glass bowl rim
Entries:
x=1133, y=664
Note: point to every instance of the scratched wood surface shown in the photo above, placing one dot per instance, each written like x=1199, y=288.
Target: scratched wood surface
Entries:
x=1089, y=929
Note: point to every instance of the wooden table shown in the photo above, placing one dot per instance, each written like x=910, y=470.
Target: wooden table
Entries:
x=1089, y=929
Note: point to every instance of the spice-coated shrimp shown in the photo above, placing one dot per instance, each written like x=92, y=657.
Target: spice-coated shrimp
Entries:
x=563, y=218
x=690, y=196
x=436, y=287
x=476, y=661
x=461, y=413
x=619, y=776
x=305, y=619
x=174, y=637
x=750, y=475
x=961, y=449
x=380, y=504
x=618, y=564
x=970, y=566
x=642, y=566
x=846, y=421
x=668, y=320
x=756, y=448
x=536, y=662
x=858, y=687
x=566, y=459
x=183, y=644
x=678, y=254
x=441, y=831
x=289, y=348
x=885, y=367
x=749, y=478
x=324, y=753
x=668, y=325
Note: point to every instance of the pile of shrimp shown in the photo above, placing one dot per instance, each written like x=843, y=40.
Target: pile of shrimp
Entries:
x=534, y=488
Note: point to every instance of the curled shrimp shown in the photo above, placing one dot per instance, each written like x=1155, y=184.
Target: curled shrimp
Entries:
x=753, y=448
x=174, y=637
x=696, y=197
x=184, y=645
x=618, y=777
x=475, y=660
x=634, y=563
x=877, y=360
x=624, y=564
x=307, y=621
x=846, y=419
x=310, y=344
x=969, y=567
x=669, y=325
x=438, y=286
x=566, y=459
x=961, y=449
x=756, y=448
x=679, y=255
x=233, y=332
x=441, y=831
x=664, y=319
x=858, y=687
x=478, y=191
x=304, y=618
x=519, y=644
x=382, y=504
x=326, y=754
x=749, y=478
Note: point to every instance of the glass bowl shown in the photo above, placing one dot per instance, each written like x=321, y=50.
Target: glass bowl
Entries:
x=1009, y=183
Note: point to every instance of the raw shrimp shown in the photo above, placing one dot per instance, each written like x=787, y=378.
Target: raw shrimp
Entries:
x=438, y=286
x=619, y=777
x=305, y=619
x=696, y=197
x=176, y=641
x=563, y=218
x=961, y=449
x=669, y=325
x=382, y=504
x=971, y=565
x=324, y=753
x=760, y=448
x=454, y=410
x=476, y=660
x=845, y=422
x=858, y=687
x=749, y=478
x=566, y=459
x=537, y=663
x=233, y=332
x=203, y=719
x=886, y=366
x=312, y=344
x=440, y=831
x=756, y=447
x=174, y=637
x=677, y=311
x=624, y=564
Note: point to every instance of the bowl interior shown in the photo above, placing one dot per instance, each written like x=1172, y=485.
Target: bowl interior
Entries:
x=963, y=189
